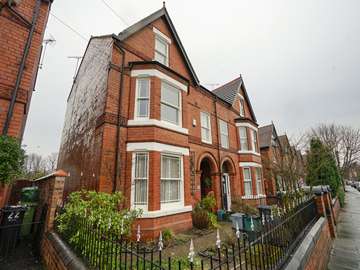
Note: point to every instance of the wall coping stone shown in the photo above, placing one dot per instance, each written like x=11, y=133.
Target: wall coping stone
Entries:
x=303, y=252
x=58, y=173
x=69, y=258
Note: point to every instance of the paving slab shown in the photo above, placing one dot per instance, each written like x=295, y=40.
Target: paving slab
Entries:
x=345, y=253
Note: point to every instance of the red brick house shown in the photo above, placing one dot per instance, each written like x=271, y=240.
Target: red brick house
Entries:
x=139, y=121
x=22, y=27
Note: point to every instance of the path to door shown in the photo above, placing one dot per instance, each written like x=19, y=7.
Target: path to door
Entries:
x=345, y=254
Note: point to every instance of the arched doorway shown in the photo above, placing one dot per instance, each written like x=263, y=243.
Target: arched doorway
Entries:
x=208, y=170
x=227, y=171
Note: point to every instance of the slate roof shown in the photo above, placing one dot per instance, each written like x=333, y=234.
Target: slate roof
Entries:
x=151, y=18
x=265, y=135
x=228, y=92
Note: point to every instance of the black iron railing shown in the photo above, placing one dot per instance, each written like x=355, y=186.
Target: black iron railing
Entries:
x=269, y=249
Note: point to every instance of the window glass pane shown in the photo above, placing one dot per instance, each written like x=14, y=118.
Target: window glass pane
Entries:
x=242, y=107
x=170, y=179
x=141, y=191
x=143, y=88
x=160, y=58
x=141, y=166
x=169, y=114
x=247, y=175
x=143, y=108
x=205, y=121
x=140, y=180
x=243, y=139
x=160, y=46
x=170, y=94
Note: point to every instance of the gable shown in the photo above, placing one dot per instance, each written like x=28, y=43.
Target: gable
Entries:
x=141, y=37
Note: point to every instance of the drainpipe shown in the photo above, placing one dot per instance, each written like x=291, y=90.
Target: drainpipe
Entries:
x=218, y=151
x=21, y=68
x=117, y=154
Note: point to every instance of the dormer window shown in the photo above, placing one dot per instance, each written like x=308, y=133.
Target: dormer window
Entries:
x=161, y=47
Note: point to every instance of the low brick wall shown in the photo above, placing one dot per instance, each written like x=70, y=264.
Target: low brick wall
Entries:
x=336, y=208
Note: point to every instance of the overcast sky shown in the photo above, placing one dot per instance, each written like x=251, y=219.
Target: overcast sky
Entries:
x=299, y=59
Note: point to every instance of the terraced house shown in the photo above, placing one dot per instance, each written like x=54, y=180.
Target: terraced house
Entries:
x=139, y=121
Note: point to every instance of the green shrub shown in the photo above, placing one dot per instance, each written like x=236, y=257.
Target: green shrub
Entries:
x=168, y=235
x=208, y=203
x=200, y=218
x=341, y=196
x=11, y=159
x=203, y=216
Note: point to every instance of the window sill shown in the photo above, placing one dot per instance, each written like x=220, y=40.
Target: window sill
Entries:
x=169, y=212
x=246, y=152
x=158, y=123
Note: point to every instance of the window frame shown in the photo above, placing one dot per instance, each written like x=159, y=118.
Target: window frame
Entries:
x=206, y=140
x=254, y=140
x=159, y=38
x=241, y=106
x=227, y=142
x=135, y=205
x=246, y=139
x=137, y=98
x=179, y=108
x=180, y=180
x=258, y=180
x=249, y=180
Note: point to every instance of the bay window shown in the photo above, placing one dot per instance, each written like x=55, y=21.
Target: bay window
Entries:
x=171, y=178
x=247, y=181
x=170, y=104
x=244, y=145
x=205, y=127
x=140, y=179
x=224, y=134
x=142, y=97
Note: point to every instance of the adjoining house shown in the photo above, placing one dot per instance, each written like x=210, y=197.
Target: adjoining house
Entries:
x=22, y=27
x=139, y=121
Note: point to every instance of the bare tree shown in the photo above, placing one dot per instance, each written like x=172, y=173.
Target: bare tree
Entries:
x=343, y=141
x=34, y=166
x=51, y=162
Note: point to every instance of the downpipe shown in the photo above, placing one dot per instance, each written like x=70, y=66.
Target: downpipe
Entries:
x=21, y=67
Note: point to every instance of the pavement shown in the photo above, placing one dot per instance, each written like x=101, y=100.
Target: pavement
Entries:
x=345, y=253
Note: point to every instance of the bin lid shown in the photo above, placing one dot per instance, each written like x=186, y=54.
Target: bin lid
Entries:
x=237, y=215
x=267, y=207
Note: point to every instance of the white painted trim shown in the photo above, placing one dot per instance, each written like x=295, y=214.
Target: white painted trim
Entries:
x=161, y=213
x=250, y=197
x=249, y=164
x=158, y=123
x=159, y=74
x=162, y=35
x=158, y=147
x=248, y=152
x=246, y=125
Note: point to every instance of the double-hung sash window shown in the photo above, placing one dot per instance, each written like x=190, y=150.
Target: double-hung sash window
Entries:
x=142, y=97
x=170, y=104
x=242, y=107
x=141, y=179
x=171, y=177
x=244, y=145
x=224, y=134
x=247, y=181
x=205, y=127
x=258, y=181
x=255, y=141
x=161, y=50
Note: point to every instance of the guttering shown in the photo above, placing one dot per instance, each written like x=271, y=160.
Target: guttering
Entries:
x=117, y=152
x=21, y=67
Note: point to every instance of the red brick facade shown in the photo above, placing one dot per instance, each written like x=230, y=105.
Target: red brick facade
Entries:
x=102, y=131
x=15, y=35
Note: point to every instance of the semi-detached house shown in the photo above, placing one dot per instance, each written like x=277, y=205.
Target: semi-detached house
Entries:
x=138, y=121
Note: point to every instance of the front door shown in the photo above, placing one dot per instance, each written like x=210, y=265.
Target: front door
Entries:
x=226, y=194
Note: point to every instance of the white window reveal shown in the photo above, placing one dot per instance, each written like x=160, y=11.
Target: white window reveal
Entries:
x=161, y=50
x=244, y=145
x=258, y=175
x=205, y=127
x=255, y=145
x=140, y=182
x=224, y=134
x=170, y=104
x=242, y=107
x=171, y=179
x=247, y=181
x=142, y=97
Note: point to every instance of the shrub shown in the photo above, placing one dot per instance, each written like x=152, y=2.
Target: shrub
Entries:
x=208, y=203
x=98, y=208
x=203, y=216
x=11, y=159
x=168, y=235
x=341, y=196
